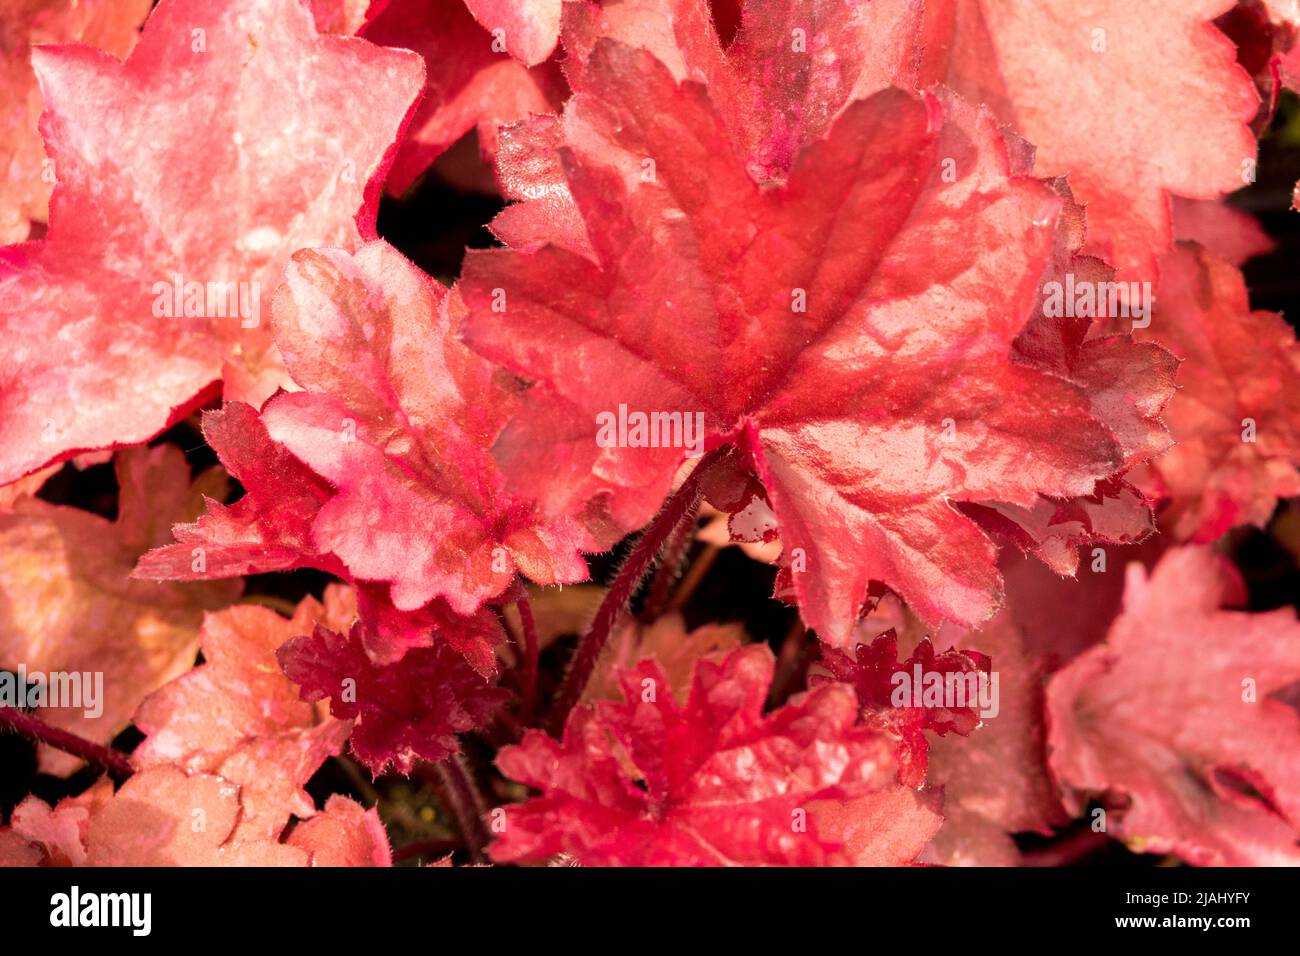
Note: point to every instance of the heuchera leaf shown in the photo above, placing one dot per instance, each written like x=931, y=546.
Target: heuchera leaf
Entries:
x=470, y=85
x=529, y=28
x=400, y=417
x=164, y=817
x=995, y=781
x=894, y=395
x=1187, y=736
x=889, y=828
x=177, y=206
x=1102, y=95
x=892, y=708
x=1236, y=417
x=1059, y=618
x=237, y=716
x=270, y=529
x=792, y=68
x=1226, y=232
x=712, y=781
x=151, y=822
x=70, y=607
x=343, y=834
x=403, y=711
x=109, y=25
x=41, y=835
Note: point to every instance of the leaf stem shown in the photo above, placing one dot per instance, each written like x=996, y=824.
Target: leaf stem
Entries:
x=671, y=566
x=33, y=728
x=679, y=507
x=460, y=791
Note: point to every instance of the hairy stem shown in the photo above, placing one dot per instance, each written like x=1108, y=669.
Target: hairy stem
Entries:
x=531, y=654
x=680, y=506
x=114, y=761
x=671, y=565
x=458, y=788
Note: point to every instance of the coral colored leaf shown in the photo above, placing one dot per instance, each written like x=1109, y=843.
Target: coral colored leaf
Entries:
x=162, y=817
x=108, y=25
x=529, y=170
x=1172, y=717
x=403, y=711
x=1236, y=417
x=1102, y=94
x=68, y=604
x=185, y=188
x=851, y=325
x=343, y=834
x=904, y=710
x=529, y=28
x=400, y=417
x=711, y=781
x=888, y=828
x=165, y=817
x=41, y=835
x=237, y=716
x=471, y=82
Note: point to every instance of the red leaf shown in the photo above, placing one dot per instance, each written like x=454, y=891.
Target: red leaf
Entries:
x=186, y=184
x=270, y=529
x=1186, y=734
x=404, y=711
x=399, y=417
x=1236, y=417
x=1101, y=92
x=468, y=84
x=903, y=710
x=691, y=304
x=791, y=70
x=647, y=781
